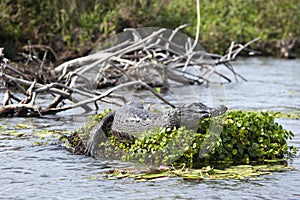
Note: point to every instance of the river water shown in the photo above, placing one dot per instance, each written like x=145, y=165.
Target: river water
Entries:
x=31, y=171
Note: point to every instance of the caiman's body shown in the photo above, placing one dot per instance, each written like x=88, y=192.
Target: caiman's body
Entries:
x=129, y=121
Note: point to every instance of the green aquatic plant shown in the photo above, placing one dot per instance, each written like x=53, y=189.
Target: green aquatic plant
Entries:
x=92, y=121
x=40, y=136
x=289, y=115
x=250, y=136
x=237, y=172
x=246, y=136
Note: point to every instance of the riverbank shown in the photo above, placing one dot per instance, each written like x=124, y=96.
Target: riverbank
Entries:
x=75, y=28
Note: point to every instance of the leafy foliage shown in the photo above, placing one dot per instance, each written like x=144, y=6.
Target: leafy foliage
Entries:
x=238, y=137
x=93, y=120
x=77, y=25
x=246, y=136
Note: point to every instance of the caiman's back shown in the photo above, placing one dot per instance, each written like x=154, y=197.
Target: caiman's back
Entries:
x=131, y=121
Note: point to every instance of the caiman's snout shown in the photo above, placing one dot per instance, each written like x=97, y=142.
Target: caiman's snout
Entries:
x=204, y=111
x=220, y=110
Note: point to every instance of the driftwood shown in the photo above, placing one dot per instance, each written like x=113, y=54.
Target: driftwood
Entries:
x=145, y=58
x=286, y=47
x=141, y=57
x=154, y=56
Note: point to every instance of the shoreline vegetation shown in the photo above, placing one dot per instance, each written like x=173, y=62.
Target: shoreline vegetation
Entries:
x=73, y=29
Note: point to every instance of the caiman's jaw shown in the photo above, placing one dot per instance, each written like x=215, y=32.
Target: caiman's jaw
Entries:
x=220, y=110
x=204, y=111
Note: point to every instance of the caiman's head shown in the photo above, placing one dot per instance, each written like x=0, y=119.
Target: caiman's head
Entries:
x=202, y=111
x=191, y=114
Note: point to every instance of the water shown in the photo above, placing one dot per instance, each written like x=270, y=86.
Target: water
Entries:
x=38, y=172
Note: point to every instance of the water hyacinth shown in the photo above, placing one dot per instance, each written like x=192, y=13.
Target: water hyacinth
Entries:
x=249, y=136
x=245, y=137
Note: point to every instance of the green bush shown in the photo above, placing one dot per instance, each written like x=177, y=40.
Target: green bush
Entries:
x=80, y=25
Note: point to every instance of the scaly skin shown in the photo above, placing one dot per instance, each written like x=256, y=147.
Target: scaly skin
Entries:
x=130, y=121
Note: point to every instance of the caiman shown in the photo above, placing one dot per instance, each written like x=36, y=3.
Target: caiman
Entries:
x=130, y=121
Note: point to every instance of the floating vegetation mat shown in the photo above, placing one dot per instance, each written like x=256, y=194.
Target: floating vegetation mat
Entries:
x=238, y=172
x=41, y=136
x=239, y=137
x=246, y=140
x=290, y=115
x=249, y=145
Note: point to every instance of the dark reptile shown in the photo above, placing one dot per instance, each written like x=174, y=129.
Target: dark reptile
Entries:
x=130, y=121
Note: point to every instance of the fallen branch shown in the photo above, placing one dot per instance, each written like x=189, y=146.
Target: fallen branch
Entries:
x=146, y=57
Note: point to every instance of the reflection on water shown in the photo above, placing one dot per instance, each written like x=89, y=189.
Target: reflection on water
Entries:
x=29, y=171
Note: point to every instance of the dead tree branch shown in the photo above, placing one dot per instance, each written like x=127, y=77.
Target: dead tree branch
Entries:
x=147, y=57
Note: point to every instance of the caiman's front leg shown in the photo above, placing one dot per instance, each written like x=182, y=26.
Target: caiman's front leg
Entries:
x=98, y=134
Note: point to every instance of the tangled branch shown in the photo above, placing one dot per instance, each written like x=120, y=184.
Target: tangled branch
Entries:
x=146, y=58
